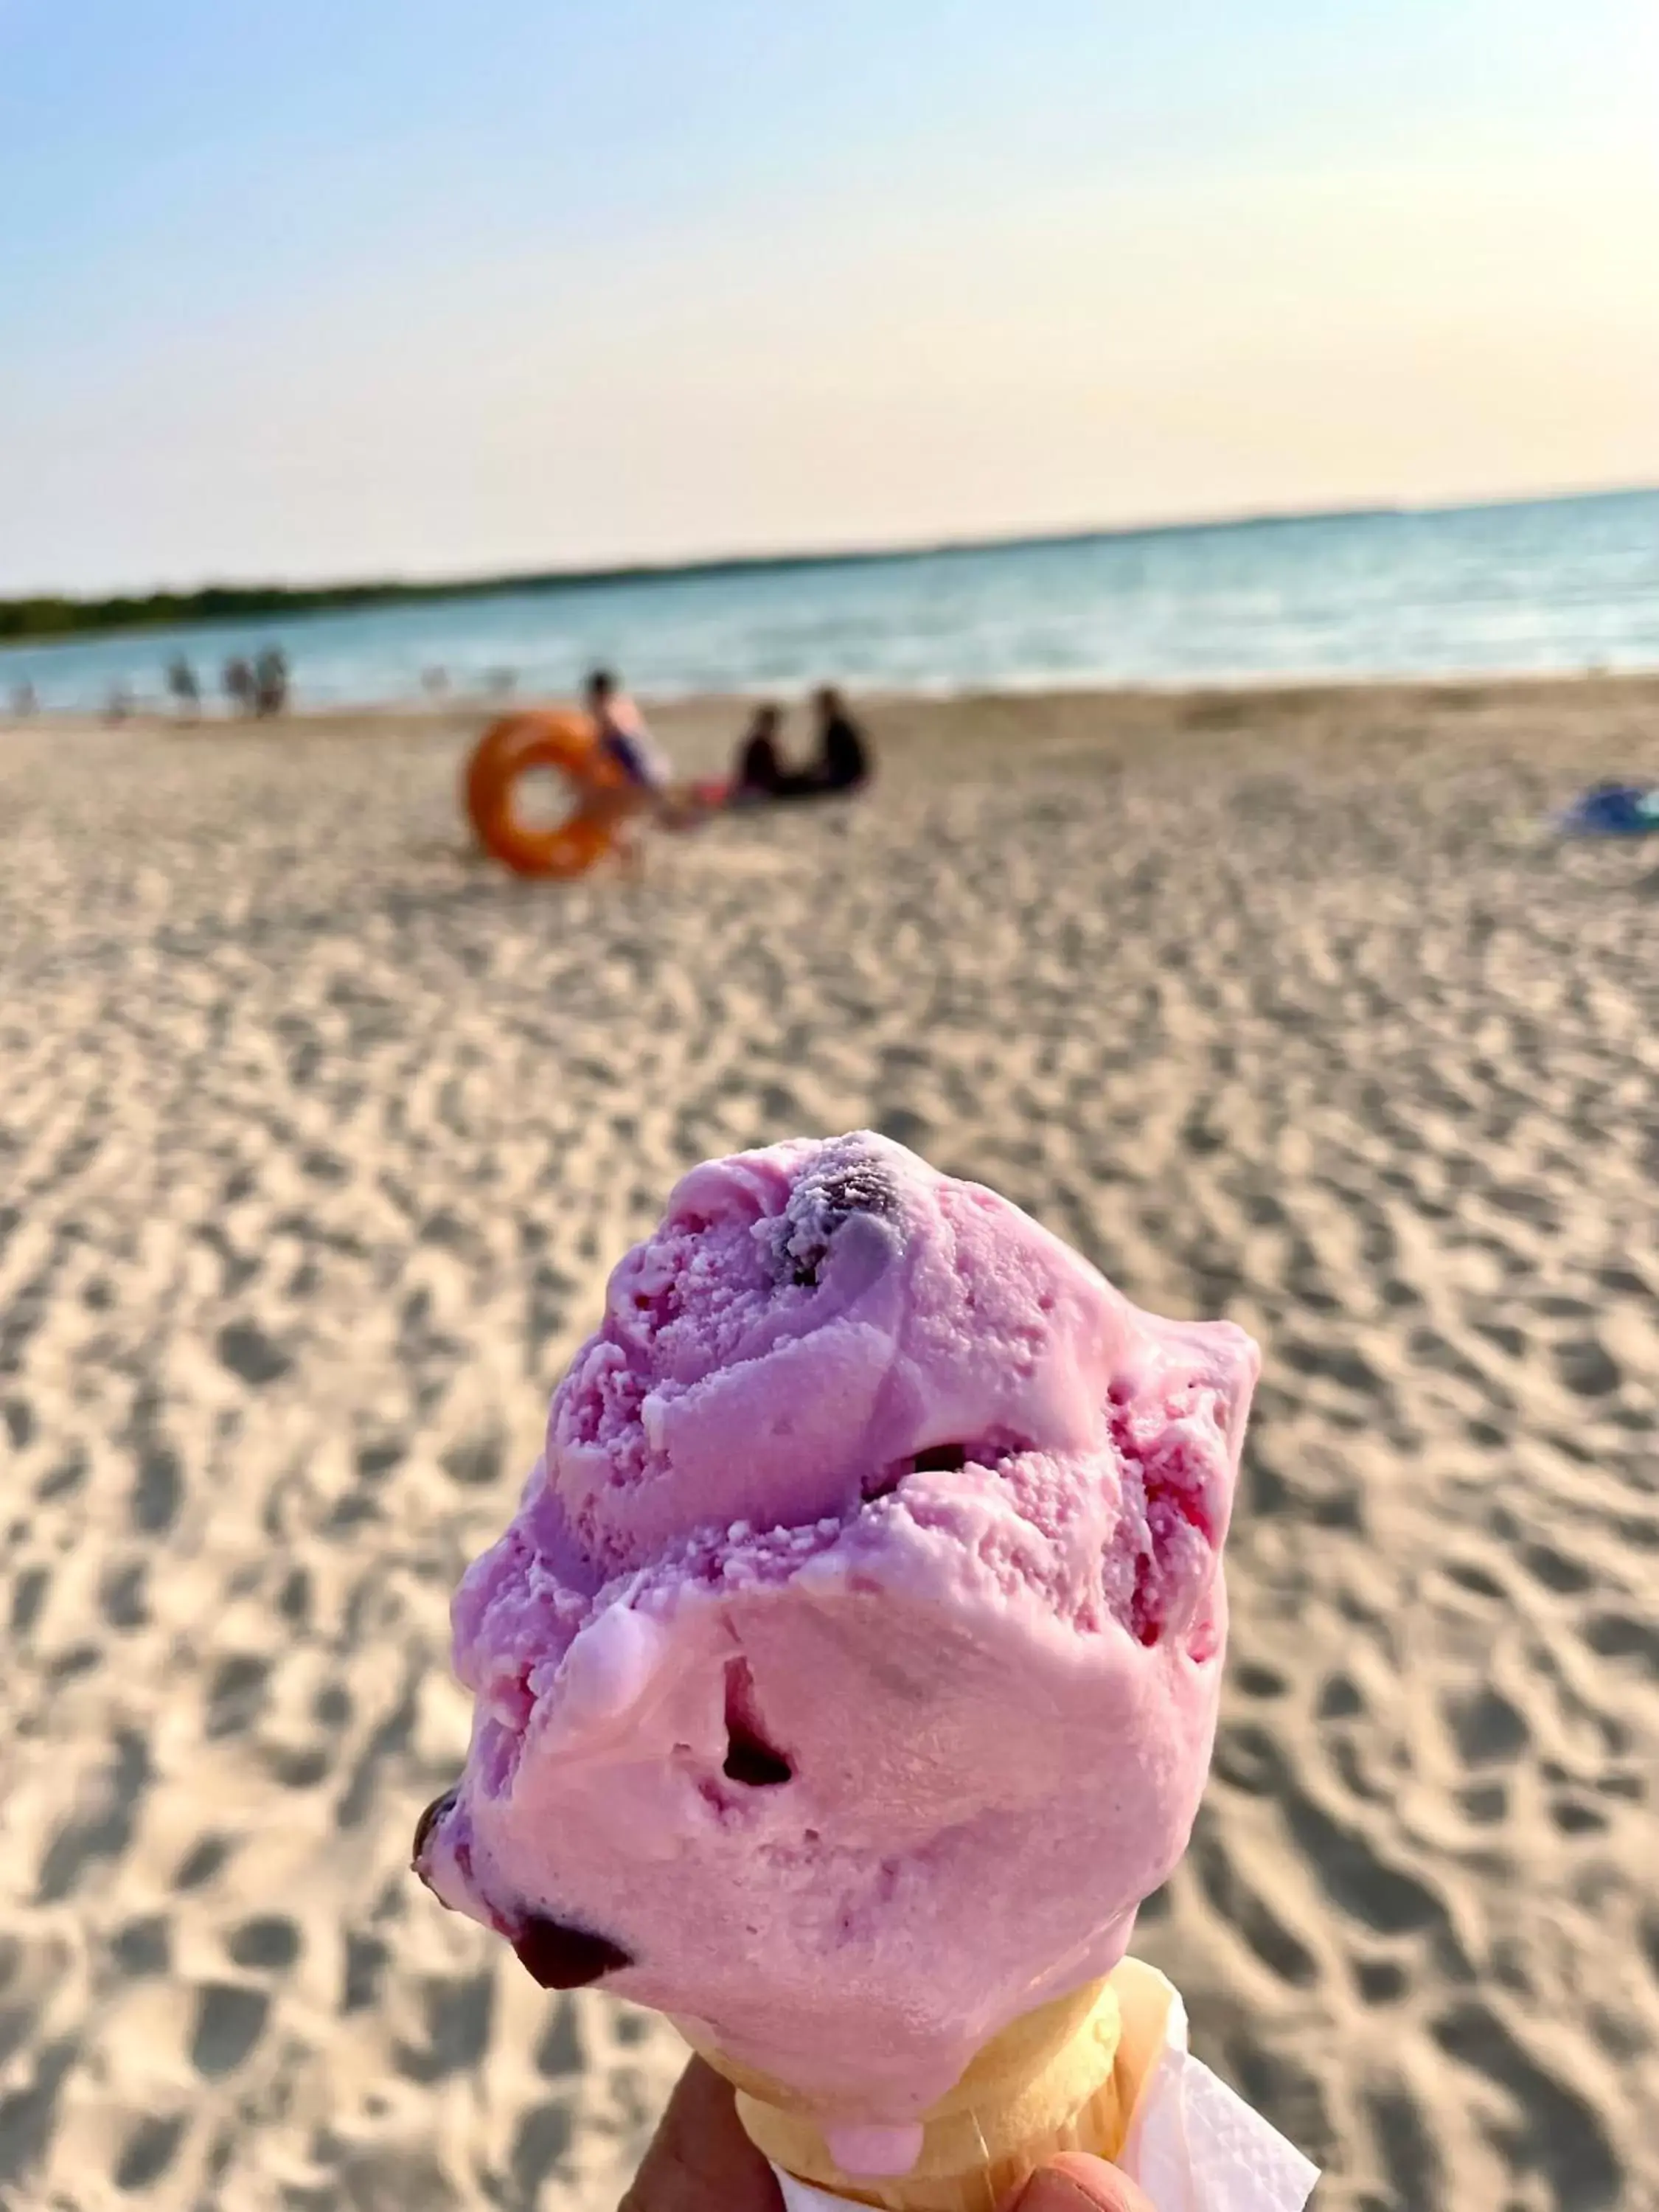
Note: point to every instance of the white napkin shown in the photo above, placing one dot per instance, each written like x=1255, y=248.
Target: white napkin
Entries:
x=1194, y=2145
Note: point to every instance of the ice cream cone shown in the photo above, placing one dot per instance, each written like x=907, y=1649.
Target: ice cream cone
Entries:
x=1045, y=2084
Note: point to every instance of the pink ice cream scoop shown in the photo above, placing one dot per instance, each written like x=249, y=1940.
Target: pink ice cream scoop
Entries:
x=848, y=1673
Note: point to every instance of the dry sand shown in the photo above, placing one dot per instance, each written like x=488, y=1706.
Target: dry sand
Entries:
x=318, y=1137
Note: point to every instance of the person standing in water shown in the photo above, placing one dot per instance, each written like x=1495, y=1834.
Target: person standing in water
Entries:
x=237, y=682
x=270, y=682
x=183, y=688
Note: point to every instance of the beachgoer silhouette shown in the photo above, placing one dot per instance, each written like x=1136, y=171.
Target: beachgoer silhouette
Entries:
x=647, y=775
x=270, y=682
x=843, y=761
x=182, y=686
x=24, y=701
x=843, y=755
x=624, y=737
x=238, y=681
x=760, y=766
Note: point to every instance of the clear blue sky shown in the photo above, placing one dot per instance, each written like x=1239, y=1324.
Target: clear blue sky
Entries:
x=327, y=290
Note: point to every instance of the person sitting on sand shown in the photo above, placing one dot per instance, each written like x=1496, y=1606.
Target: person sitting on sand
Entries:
x=844, y=756
x=625, y=739
x=760, y=774
x=843, y=761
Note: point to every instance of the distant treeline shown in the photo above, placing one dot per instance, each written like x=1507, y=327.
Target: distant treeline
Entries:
x=46, y=618
x=52, y=617
x=49, y=617
x=58, y=617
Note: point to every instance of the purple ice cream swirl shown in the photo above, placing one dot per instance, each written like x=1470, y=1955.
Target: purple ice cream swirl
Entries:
x=849, y=1672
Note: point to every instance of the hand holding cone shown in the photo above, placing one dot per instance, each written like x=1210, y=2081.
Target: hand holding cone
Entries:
x=1045, y=2086
x=701, y=2160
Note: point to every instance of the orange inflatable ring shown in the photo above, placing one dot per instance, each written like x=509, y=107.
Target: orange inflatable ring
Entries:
x=542, y=738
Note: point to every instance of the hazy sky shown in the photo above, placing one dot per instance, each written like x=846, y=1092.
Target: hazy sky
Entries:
x=350, y=286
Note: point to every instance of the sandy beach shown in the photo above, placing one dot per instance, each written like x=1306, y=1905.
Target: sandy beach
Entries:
x=319, y=1136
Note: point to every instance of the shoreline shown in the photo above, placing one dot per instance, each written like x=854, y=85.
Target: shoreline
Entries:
x=1259, y=693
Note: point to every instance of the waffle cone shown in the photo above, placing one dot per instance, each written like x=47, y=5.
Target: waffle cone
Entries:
x=1045, y=2084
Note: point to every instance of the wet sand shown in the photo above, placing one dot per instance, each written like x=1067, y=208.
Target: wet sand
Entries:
x=318, y=1137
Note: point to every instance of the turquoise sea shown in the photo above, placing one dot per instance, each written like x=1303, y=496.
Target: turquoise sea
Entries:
x=1552, y=584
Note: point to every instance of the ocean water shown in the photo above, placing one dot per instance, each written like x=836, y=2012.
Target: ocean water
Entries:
x=1553, y=585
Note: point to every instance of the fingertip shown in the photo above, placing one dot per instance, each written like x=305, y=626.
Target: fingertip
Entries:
x=1072, y=2183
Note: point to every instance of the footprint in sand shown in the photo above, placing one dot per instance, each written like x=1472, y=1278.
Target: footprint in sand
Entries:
x=1551, y=2130
x=268, y=1942
x=104, y=1831
x=149, y=2151
x=229, y=2019
x=458, y=2012
x=1486, y=1728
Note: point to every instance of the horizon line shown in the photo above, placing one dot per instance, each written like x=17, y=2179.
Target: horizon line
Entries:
x=670, y=569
